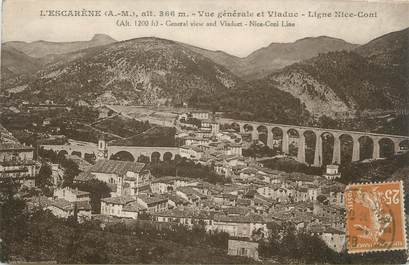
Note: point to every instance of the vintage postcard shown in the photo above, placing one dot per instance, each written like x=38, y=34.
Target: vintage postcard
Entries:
x=204, y=131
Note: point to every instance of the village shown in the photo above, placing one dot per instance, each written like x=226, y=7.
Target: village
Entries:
x=251, y=201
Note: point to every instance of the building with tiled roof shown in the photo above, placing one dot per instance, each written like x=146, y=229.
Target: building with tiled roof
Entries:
x=176, y=201
x=129, y=177
x=190, y=194
x=16, y=160
x=116, y=167
x=153, y=202
x=63, y=208
x=334, y=238
x=239, y=226
x=6, y=136
x=71, y=195
x=121, y=206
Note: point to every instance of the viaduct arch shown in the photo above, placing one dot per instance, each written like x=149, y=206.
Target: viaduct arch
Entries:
x=250, y=127
x=83, y=148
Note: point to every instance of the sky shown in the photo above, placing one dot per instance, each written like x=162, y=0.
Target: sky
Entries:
x=22, y=21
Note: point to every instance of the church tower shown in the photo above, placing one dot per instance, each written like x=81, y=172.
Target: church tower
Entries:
x=102, y=148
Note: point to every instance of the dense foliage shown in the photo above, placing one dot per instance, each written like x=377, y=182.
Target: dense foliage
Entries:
x=356, y=80
x=121, y=126
x=186, y=168
x=289, y=246
x=156, y=136
x=97, y=190
x=379, y=170
x=39, y=236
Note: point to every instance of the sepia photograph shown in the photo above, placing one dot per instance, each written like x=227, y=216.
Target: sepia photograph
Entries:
x=204, y=132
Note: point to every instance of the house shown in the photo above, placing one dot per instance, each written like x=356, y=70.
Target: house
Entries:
x=200, y=115
x=175, y=201
x=169, y=184
x=282, y=194
x=153, y=202
x=185, y=216
x=208, y=189
x=57, y=174
x=211, y=126
x=328, y=211
x=268, y=190
x=17, y=163
x=225, y=199
x=192, y=140
x=64, y=209
x=332, y=172
x=301, y=194
x=121, y=206
x=71, y=195
x=191, y=195
x=334, y=238
x=334, y=194
x=239, y=226
x=243, y=248
x=191, y=152
x=126, y=177
x=261, y=204
x=162, y=185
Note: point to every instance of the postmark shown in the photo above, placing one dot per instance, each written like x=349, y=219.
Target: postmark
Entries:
x=375, y=219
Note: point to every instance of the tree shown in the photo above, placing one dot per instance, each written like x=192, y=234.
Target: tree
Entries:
x=144, y=216
x=43, y=179
x=13, y=221
x=71, y=170
x=97, y=190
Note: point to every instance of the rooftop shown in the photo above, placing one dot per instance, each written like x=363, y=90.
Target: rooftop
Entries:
x=116, y=167
x=15, y=146
x=152, y=198
x=119, y=200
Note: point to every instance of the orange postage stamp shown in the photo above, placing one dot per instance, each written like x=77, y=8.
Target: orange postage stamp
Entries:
x=375, y=219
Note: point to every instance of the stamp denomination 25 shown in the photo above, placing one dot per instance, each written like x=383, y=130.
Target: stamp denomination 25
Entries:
x=375, y=219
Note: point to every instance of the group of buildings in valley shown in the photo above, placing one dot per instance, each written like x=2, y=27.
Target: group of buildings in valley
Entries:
x=246, y=211
x=256, y=200
x=16, y=160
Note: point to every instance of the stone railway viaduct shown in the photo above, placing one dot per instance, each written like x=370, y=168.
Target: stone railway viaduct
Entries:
x=82, y=148
x=255, y=129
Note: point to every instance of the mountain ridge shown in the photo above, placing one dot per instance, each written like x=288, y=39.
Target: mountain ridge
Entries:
x=41, y=48
x=159, y=71
x=372, y=76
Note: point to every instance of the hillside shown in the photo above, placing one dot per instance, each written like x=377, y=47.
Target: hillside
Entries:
x=368, y=78
x=139, y=71
x=263, y=101
x=390, y=50
x=38, y=49
x=14, y=62
x=154, y=71
x=341, y=81
x=269, y=59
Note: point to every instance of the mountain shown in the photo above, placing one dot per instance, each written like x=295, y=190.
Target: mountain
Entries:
x=389, y=50
x=154, y=71
x=269, y=59
x=158, y=71
x=14, y=62
x=370, y=77
x=142, y=71
x=38, y=49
